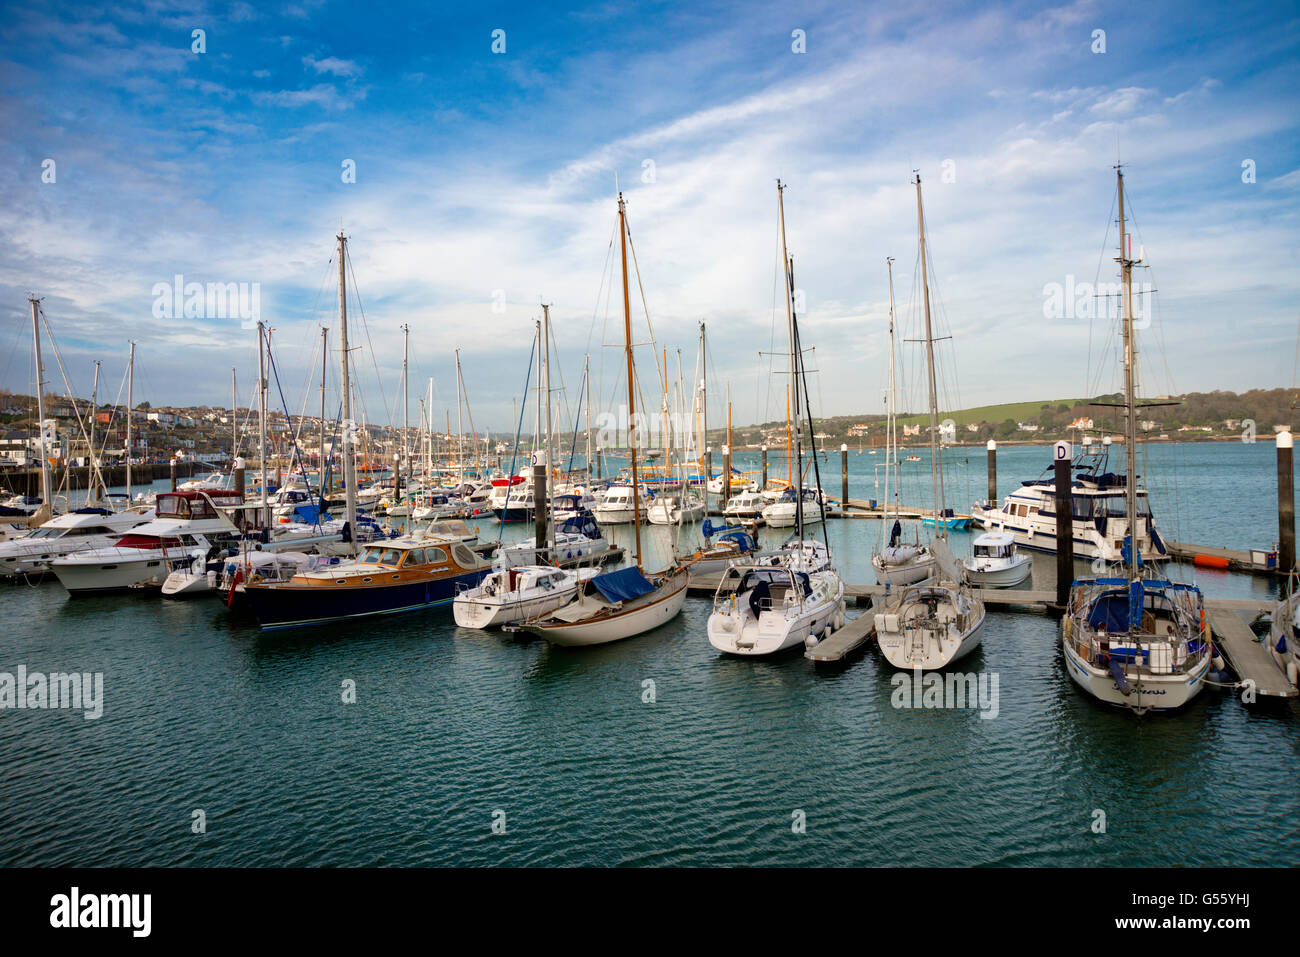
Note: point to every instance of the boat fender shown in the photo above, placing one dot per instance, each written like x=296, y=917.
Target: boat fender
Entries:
x=811, y=641
x=1218, y=663
x=1293, y=673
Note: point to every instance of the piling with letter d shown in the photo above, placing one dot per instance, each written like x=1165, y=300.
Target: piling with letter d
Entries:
x=540, y=512
x=1064, y=525
x=765, y=466
x=1285, y=504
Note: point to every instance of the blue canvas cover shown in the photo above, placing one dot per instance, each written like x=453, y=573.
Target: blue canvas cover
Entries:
x=623, y=585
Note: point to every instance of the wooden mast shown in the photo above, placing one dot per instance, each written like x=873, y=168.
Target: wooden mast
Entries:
x=631, y=381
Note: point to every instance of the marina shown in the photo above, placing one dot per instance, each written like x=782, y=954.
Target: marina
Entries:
x=649, y=437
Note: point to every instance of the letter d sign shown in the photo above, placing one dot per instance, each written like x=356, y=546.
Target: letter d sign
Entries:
x=1062, y=452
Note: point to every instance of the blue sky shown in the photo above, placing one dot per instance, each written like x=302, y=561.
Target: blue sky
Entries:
x=479, y=171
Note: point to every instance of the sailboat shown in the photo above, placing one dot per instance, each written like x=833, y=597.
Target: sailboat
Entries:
x=1137, y=641
x=732, y=543
x=397, y=575
x=626, y=602
x=793, y=597
x=518, y=592
x=937, y=621
x=897, y=562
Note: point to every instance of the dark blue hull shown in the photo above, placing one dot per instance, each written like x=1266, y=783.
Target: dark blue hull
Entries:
x=297, y=606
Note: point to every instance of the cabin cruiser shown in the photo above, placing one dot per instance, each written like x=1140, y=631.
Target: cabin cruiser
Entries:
x=76, y=531
x=783, y=512
x=434, y=505
x=746, y=505
x=995, y=562
x=1100, y=515
x=616, y=508
x=184, y=522
x=399, y=575
x=516, y=594
x=760, y=609
x=212, y=480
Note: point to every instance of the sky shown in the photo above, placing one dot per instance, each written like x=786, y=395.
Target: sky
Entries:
x=474, y=173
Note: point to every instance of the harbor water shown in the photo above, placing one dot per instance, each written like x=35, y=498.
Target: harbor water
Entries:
x=480, y=748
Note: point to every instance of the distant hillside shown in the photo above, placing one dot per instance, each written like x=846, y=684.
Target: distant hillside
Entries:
x=1197, y=416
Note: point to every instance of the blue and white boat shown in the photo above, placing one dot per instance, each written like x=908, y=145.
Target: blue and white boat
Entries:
x=399, y=575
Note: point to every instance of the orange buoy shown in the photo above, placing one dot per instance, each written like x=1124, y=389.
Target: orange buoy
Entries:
x=1210, y=561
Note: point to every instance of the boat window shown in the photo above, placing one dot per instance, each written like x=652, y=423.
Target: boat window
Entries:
x=390, y=556
x=464, y=557
x=434, y=556
x=415, y=556
x=371, y=556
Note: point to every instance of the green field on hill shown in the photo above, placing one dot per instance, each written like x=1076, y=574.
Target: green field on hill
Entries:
x=1019, y=411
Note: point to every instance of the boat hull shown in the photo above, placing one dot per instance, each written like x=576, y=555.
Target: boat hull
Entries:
x=661, y=607
x=1152, y=693
x=290, y=605
x=1002, y=577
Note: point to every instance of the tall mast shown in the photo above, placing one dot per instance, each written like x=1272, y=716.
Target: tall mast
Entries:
x=631, y=381
x=261, y=420
x=234, y=422
x=345, y=384
x=320, y=461
x=406, y=405
x=130, y=414
x=1130, y=383
x=891, y=431
x=548, y=505
x=427, y=416
x=936, y=474
x=47, y=505
x=93, y=471
x=704, y=416
x=460, y=427
x=796, y=469
x=586, y=405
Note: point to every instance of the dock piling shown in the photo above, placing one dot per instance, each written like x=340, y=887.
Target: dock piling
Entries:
x=844, y=476
x=1285, y=503
x=1064, y=526
x=993, y=473
x=765, y=466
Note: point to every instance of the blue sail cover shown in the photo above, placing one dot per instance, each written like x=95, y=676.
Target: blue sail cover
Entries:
x=623, y=585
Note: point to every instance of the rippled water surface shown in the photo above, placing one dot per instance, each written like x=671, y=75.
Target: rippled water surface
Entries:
x=450, y=726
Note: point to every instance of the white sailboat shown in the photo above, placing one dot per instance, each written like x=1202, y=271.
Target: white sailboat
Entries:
x=897, y=562
x=794, y=596
x=1136, y=641
x=627, y=602
x=937, y=621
